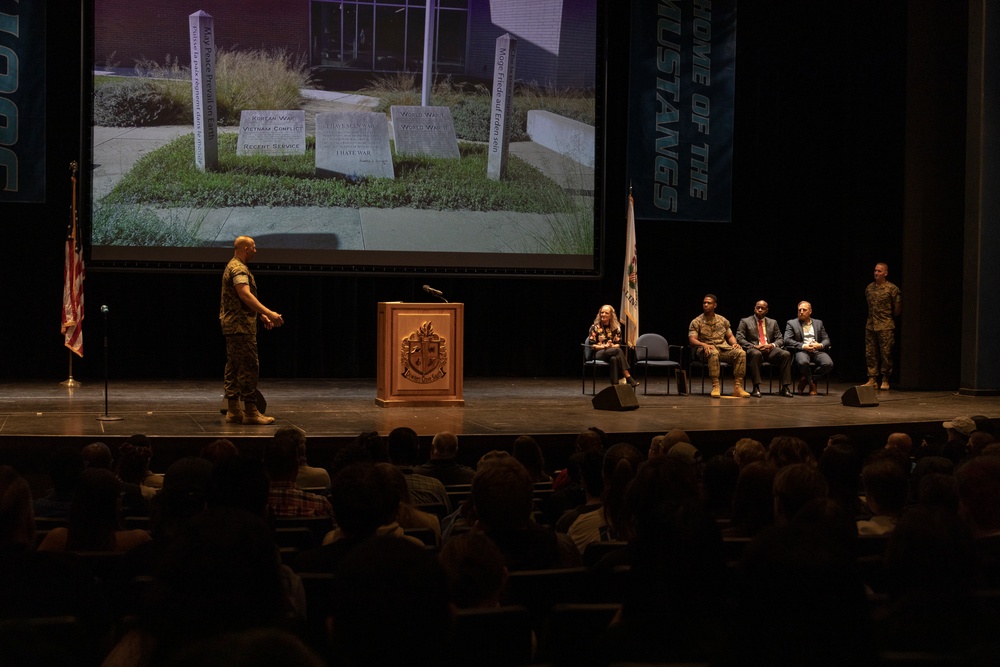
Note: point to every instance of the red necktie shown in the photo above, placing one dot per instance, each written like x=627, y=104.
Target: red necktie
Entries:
x=761, y=334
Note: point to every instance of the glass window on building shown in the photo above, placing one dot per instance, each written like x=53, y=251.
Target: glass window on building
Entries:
x=387, y=36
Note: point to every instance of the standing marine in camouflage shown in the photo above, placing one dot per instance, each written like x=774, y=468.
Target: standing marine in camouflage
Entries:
x=885, y=302
x=713, y=341
x=238, y=314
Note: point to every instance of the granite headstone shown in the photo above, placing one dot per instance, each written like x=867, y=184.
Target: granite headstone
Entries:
x=424, y=131
x=272, y=133
x=353, y=144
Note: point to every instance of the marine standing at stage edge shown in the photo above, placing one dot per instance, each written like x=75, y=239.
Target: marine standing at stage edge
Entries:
x=238, y=314
x=885, y=302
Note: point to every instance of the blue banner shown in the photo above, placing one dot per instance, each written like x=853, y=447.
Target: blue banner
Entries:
x=682, y=89
x=22, y=100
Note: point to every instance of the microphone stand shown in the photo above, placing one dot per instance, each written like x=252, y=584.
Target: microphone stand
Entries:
x=105, y=417
x=430, y=290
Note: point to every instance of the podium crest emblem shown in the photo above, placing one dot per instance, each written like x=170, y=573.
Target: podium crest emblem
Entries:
x=424, y=355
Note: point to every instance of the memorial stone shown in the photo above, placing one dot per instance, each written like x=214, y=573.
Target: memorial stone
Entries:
x=201, y=27
x=272, y=133
x=424, y=131
x=353, y=144
x=501, y=110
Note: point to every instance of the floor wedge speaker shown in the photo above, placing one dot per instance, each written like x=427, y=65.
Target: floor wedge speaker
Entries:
x=616, y=397
x=862, y=396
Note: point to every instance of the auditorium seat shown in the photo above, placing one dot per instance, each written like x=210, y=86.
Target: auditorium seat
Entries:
x=495, y=637
x=573, y=632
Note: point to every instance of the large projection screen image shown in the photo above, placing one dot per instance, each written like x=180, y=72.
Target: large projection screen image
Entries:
x=306, y=125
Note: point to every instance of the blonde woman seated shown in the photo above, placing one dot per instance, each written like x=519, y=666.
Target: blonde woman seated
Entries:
x=605, y=339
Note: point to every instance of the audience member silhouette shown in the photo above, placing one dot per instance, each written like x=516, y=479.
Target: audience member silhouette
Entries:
x=43, y=584
x=475, y=569
x=747, y=451
x=718, y=478
x=402, y=452
x=64, y=466
x=592, y=479
x=930, y=567
x=389, y=606
x=527, y=451
x=886, y=486
x=220, y=575
x=979, y=506
x=306, y=477
x=841, y=467
x=753, y=501
x=674, y=602
x=794, y=486
x=785, y=450
x=94, y=518
x=407, y=514
x=218, y=450
x=592, y=438
x=799, y=595
x=443, y=464
x=281, y=462
x=365, y=504
x=502, y=495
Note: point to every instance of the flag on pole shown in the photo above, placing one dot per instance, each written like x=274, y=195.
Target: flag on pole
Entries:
x=72, y=310
x=628, y=315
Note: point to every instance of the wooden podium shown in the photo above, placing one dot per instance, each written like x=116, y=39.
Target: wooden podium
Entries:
x=420, y=351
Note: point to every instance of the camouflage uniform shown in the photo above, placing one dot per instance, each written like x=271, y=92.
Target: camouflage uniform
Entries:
x=880, y=326
x=239, y=325
x=716, y=332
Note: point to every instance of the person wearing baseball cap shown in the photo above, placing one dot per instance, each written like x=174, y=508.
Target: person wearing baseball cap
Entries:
x=961, y=425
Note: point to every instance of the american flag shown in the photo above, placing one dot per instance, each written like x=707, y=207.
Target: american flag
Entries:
x=72, y=310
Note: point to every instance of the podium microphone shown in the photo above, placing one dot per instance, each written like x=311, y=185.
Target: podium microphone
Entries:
x=436, y=292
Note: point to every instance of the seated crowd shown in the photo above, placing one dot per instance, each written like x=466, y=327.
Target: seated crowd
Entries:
x=788, y=553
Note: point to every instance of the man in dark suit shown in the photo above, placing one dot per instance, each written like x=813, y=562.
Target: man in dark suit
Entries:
x=806, y=338
x=761, y=338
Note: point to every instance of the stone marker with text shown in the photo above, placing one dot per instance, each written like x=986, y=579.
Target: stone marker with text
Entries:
x=272, y=133
x=501, y=109
x=353, y=144
x=424, y=131
x=201, y=29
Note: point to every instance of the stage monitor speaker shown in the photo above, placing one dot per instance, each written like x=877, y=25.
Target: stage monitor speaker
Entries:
x=616, y=397
x=861, y=396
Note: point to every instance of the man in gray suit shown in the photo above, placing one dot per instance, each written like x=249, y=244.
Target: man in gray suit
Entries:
x=806, y=338
x=761, y=338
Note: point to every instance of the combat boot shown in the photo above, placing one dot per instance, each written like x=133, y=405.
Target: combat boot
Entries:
x=716, y=389
x=739, y=391
x=252, y=416
x=234, y=413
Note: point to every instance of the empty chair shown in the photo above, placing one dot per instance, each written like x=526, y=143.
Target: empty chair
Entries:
x=652, y=350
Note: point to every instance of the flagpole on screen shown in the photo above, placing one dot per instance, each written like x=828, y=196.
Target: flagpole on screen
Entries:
x=72, y=312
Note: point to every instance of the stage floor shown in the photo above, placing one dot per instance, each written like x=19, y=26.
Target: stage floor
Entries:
x=493, y=407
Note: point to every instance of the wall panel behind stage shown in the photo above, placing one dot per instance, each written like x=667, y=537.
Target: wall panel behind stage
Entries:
x=817, y=186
